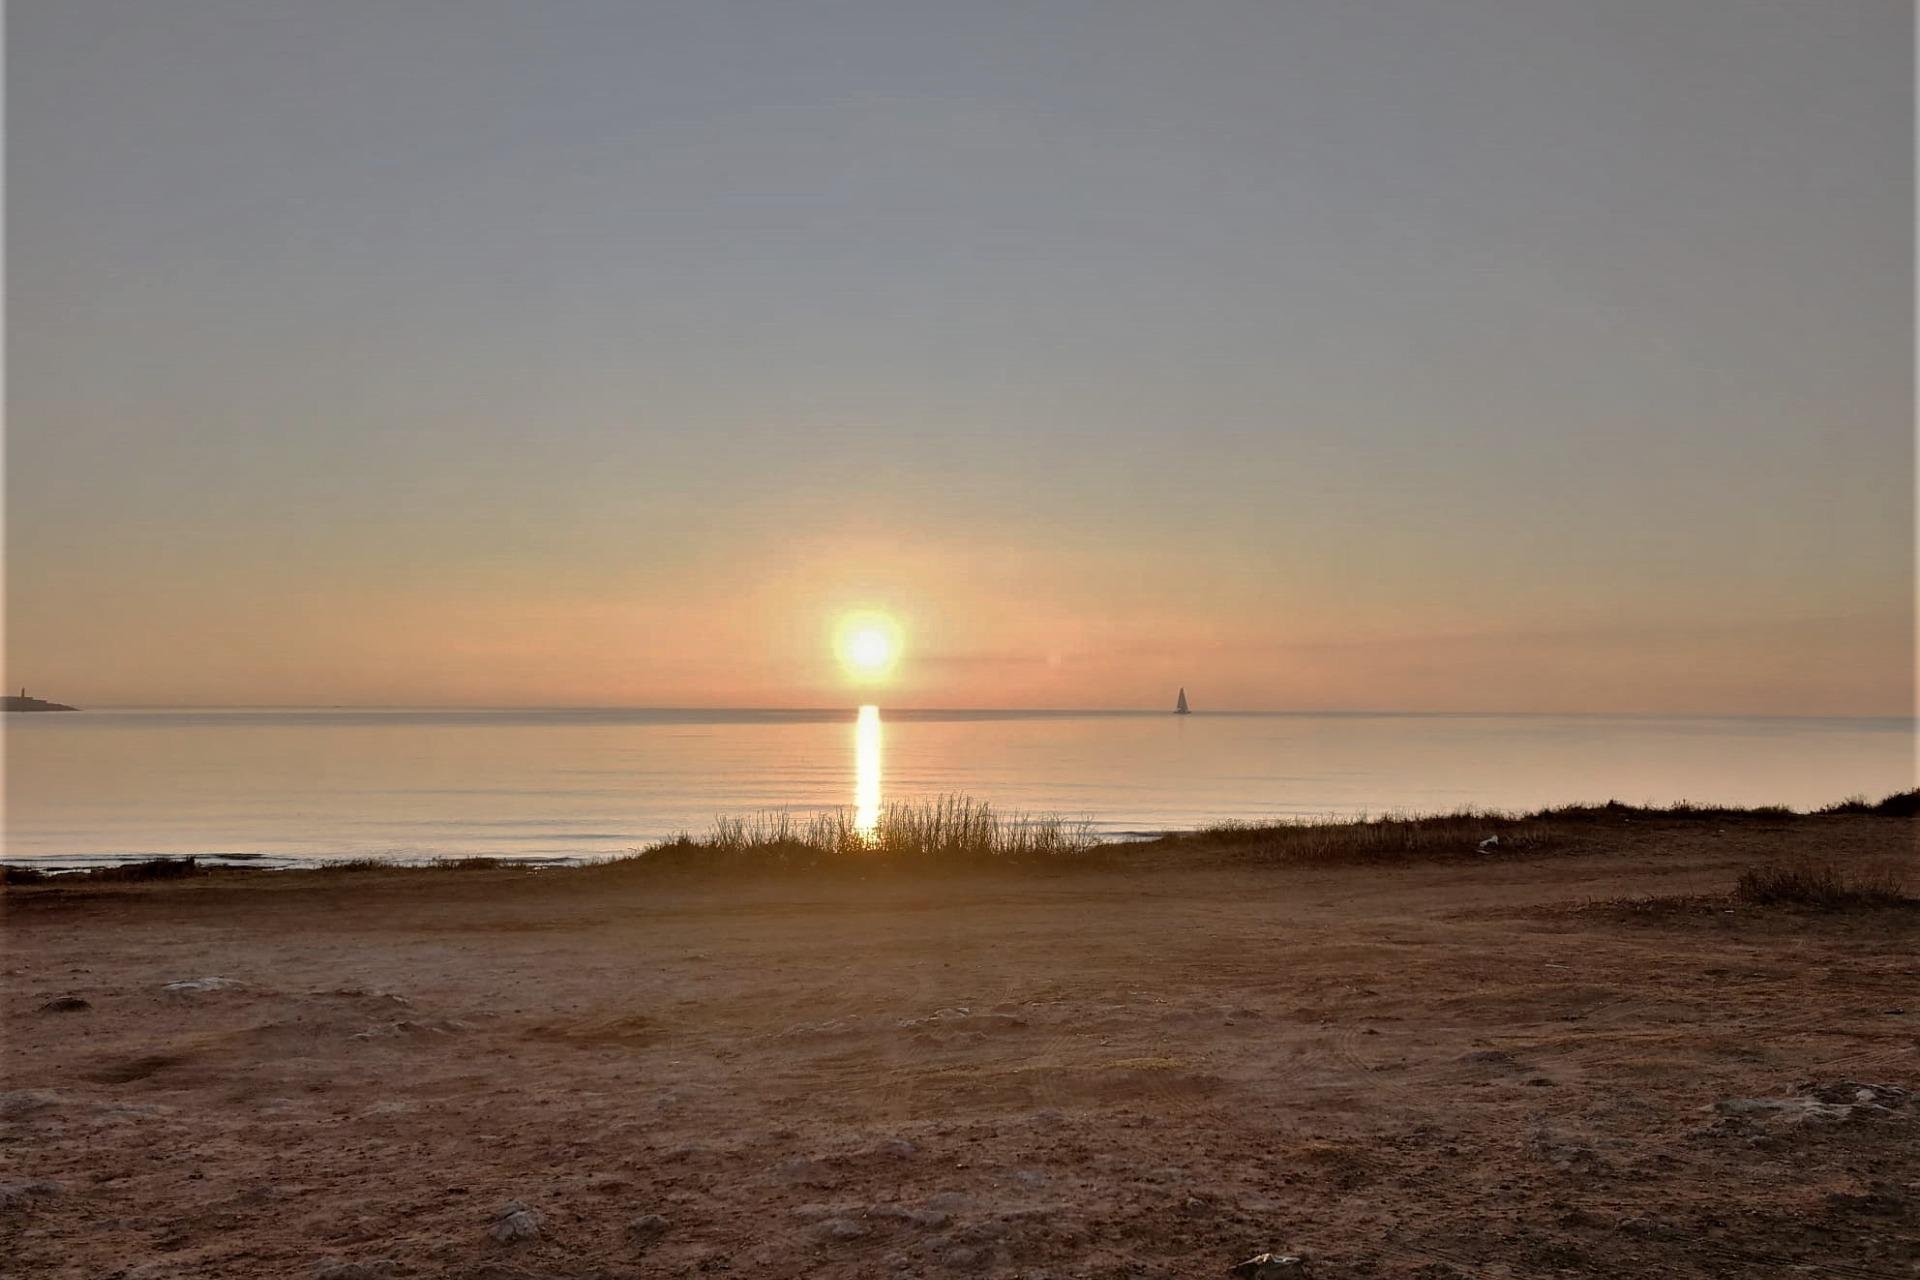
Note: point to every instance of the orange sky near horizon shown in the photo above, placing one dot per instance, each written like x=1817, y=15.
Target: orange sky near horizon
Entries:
x=985, y=625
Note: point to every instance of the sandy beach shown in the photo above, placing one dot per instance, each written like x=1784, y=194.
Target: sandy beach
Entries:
x=1460, y=1064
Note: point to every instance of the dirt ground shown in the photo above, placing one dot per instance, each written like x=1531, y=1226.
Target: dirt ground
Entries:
x=1449, y=1068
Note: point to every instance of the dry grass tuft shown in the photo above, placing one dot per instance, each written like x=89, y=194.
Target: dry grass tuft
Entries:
x=1822, y=886
x=952, y=831
x=1467, y=832
x=1901, y=804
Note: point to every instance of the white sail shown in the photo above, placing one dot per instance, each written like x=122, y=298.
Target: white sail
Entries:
x=1180, y=707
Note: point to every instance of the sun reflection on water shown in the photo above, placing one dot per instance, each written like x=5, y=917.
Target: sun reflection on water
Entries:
x=866, y=772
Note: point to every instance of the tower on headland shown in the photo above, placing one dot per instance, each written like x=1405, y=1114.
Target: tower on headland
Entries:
x=24, y=703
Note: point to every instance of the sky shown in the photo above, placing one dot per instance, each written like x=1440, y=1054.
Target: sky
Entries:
x=1532, y=355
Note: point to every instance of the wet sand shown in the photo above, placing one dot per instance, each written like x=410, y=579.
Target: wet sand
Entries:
x=1445, y=1068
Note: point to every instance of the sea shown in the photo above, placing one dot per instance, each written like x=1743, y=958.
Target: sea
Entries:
x=293, y=786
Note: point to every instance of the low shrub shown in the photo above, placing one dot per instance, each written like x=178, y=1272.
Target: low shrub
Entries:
x=1820, y=885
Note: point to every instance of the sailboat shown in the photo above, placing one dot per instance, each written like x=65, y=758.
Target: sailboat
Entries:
x=1181, y=708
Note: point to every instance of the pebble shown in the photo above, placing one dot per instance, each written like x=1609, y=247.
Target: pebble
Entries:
x=808, y=1171
x=515, y=1222
x=918, y=1217
x=1854, y=1093
x=839, y=1229
x=648, y=1227
x=414, y=1027
x=189, y=986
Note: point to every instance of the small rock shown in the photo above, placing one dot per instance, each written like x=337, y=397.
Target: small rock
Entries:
x=189, y=986
x=839, y=1229
x=414, y=1028
x=899, y=1148
x=1853, y=1093
x=515, y=1222
x=958, y=1013
x=984, y=1233
x=647, y=1228
x=918, y=1217
x=808, y=1171
x=65, y=1004
x=1804, y=1110
x=960, y=1258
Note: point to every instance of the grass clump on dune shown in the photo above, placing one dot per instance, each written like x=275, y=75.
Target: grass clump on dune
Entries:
x=1474, y=832
x=949, y=831
x=1369, y=839
x=1901, y=804
x=1820, y=885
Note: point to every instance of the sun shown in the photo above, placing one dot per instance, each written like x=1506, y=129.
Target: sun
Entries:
x=868, y=645
x=869, y=649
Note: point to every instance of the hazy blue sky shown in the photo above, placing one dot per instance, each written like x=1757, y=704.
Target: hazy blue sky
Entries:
x=1533, y=354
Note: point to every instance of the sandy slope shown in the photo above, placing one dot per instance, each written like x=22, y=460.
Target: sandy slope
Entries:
x=1435, y=1070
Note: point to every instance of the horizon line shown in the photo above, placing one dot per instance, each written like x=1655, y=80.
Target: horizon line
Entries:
x=837, y=708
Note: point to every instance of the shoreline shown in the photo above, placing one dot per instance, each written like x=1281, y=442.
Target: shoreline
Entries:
x=1437, y=833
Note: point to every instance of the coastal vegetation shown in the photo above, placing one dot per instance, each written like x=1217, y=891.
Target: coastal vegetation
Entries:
x=960, y=832
x=1822, y=886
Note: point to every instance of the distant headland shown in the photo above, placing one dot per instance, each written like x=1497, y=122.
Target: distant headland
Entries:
x=24, y=703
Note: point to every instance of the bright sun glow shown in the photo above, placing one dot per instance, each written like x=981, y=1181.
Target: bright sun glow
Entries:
x=868, y=645
x=870, y=649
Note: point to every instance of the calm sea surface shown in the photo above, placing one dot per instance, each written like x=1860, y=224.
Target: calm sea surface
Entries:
x=298, y=785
